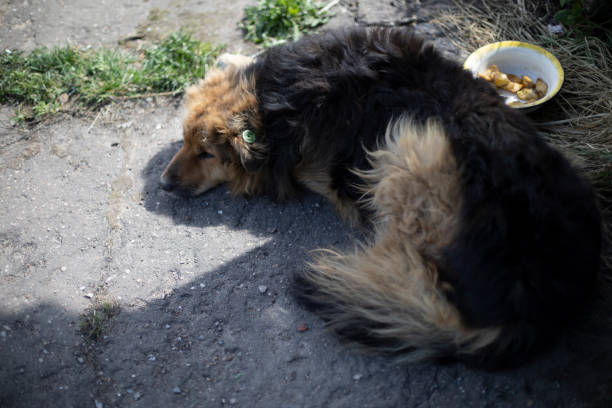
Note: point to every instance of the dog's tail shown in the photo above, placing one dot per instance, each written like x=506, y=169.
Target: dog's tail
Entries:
x=387, y=296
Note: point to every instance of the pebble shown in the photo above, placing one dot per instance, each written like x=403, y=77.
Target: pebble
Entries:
x=262, y=289
x=302, y=327
x=80, y=360
x=98, y=404
x=151, y=357
x=137, y=396
x=357, y=377
x=233, y=401
x=176, y=390
x=63, y=269
x=89, y=295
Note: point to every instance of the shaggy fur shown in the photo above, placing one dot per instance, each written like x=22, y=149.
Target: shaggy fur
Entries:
x=486, y=239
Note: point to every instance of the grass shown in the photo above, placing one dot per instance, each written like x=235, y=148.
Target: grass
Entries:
x=272, y=22
x=43, y=81
x=579, y=119
x=98, y=319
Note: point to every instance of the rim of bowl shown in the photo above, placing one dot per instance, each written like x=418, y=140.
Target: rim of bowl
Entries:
x=513, y=44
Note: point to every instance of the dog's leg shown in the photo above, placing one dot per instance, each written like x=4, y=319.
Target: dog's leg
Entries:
x=318, y=180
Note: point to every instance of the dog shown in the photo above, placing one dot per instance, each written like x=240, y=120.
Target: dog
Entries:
x=486, y=241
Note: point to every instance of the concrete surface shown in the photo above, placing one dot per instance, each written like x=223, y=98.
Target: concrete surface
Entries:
x=203, y=285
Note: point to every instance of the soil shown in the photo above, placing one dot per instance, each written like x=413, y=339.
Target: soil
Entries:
x=206, y=316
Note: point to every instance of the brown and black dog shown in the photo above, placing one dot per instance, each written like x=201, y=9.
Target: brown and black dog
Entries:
x=486, y=240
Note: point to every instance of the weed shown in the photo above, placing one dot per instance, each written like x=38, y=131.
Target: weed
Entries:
x=40, y=82
x=573, y=16
x=272, y=22
x=97, y=319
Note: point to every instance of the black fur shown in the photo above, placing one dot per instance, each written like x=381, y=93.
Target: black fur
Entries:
x=527, y=252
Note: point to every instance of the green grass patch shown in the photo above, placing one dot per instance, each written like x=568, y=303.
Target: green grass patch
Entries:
x=42, y=81
x=272, y=22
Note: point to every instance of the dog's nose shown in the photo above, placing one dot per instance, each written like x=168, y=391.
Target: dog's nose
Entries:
x=165, y=185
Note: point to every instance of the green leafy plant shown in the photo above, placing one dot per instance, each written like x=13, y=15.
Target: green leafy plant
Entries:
x=573, y=16
x=271, y=22
x=45, y=79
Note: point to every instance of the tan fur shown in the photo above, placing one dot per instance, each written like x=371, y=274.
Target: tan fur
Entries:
x=414, y=190
x=318, y=180
x=218, y=109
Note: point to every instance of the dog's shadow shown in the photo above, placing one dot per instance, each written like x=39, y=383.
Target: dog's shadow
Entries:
x=311, y=214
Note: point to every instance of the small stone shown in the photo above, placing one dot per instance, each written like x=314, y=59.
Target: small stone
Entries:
x=220, y=212
x=357, y=377
x=63, y=269
x=151, y=357
x=89, y=295
x=98, y=404
x=233, y=401
x=80, y=360
x=176, y=390
x=137, y=396
x=302, y=327
x=262, y=289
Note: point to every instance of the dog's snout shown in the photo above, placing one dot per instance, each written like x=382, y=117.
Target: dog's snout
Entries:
x=166, y=184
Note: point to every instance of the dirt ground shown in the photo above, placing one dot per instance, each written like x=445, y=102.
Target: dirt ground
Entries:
x=203, y=285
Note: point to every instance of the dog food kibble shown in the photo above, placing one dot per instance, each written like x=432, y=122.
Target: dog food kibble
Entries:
x=524, y=87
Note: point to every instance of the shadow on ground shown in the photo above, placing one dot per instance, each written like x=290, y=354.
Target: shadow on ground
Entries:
x=229, y=335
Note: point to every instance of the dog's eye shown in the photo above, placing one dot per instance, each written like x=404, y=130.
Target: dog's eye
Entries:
x=205, y=155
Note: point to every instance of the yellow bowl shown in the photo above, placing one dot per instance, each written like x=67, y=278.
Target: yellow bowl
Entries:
x=519, y=58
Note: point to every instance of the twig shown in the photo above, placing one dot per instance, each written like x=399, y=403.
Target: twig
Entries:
x=570, y=120
x=147, y=95
x=329, y=5
x=94, y=122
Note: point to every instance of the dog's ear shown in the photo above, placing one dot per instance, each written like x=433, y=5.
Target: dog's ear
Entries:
x=252, y=152
x=232, y=60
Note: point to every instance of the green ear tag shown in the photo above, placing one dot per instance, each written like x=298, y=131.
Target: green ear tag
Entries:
x=248, y=136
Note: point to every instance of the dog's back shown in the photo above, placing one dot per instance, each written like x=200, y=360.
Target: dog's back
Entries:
x=523, y=253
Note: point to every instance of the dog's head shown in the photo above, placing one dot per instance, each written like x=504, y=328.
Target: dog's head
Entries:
x=222, y=139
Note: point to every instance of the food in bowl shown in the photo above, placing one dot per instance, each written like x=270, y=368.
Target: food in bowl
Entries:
x=524, y=60
x=524, y=88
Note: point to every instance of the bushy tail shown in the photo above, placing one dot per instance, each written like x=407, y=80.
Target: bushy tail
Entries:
x=387, y=295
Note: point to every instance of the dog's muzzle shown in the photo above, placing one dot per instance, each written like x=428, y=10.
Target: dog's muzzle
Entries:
x=167, y=185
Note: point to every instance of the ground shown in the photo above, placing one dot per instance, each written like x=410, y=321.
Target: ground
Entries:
x=206, y=316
